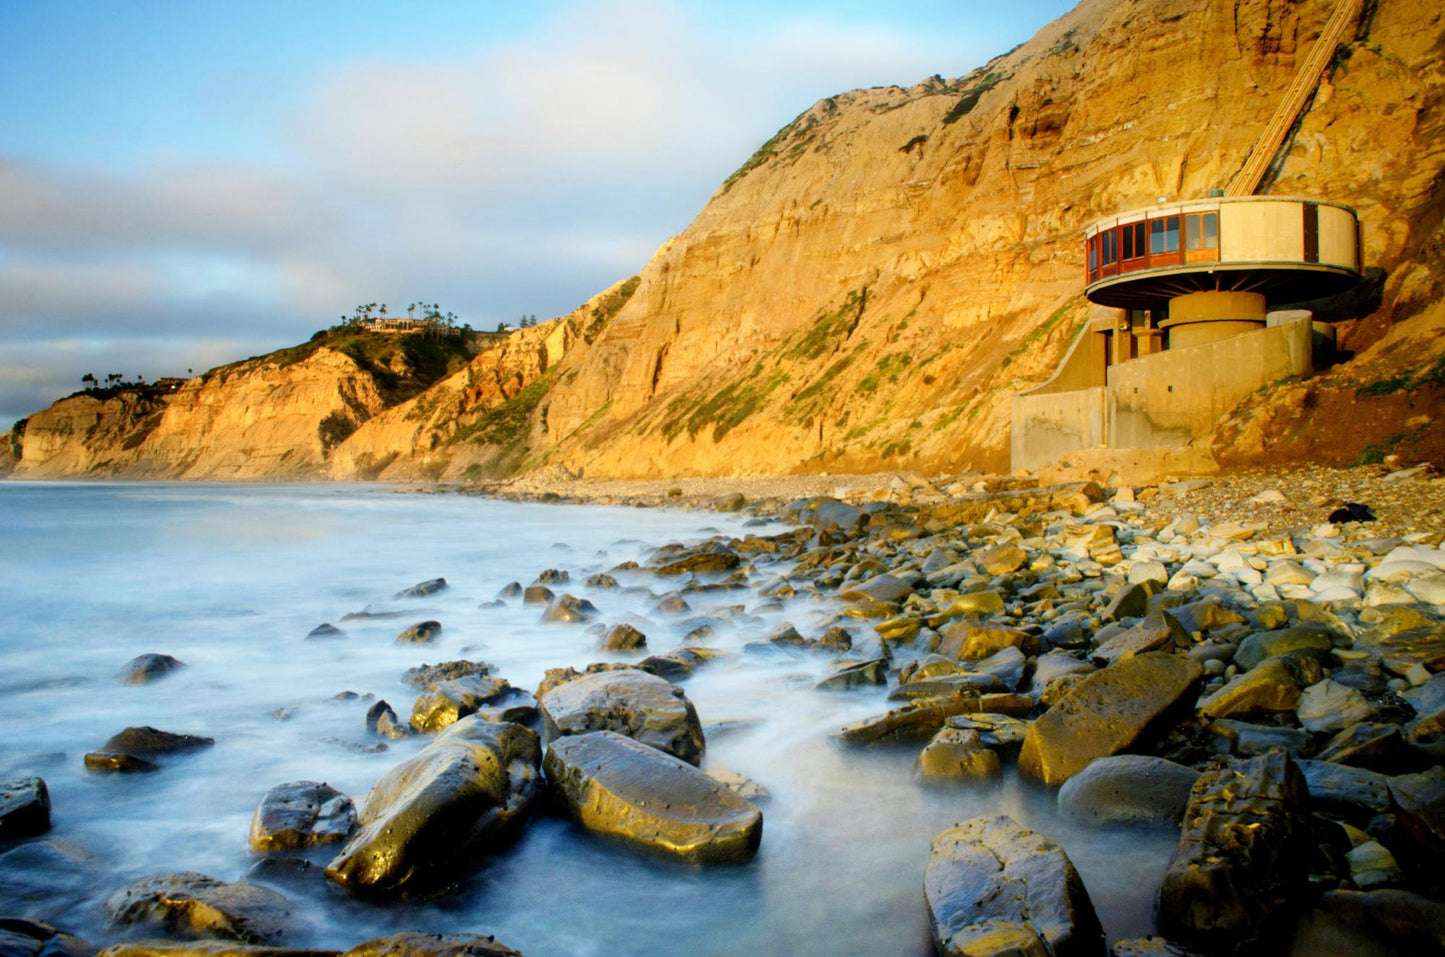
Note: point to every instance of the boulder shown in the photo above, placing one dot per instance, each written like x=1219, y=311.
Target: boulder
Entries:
x=138, y=749
x=969, y=640
x=381, y=720
x=961, y=683
x=204, y=948
x=1330, y=706
x=701, y=563
x=617, y=786
x=993, y=887
x=1008, y=665
x=553, y=576
x=1158, y=631
x=191, y=905
x=885, y=587
x=1272, y=687
x=1245, y=738
x=424, y=676
x=856, y=674
x=1379, y=747
x=1310, y=640
x=1400, y=651
x=324, y=630
x=446, y=702
x=1131, y=601
x=143, y=669
x=301, y=814
x=1354, y=794
x=422, y=589
x=956, y=754
x=24, y=807
x=432, y=945
x=1107, y=712
x=1419, y=800
x=999, y=732
x=461, y=795
x=1000, y=559
x=537, y=595
x=1150, y=947
x=568, y=609
x=421, y=633
x=623, y=637
x=630, y=702
x=1128, y=789
x=23, y=937
x=1241, y=854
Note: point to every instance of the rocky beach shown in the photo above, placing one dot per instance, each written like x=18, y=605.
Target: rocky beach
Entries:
x=1250, y=662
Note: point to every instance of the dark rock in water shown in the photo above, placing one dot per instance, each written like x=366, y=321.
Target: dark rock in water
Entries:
x=1396, y=915
x=676, y=665
x=630, y=702
x=553, y=576
x=24, y=808
x=601, y=580
x=1352, y=512
x=623, y=637
x=191, y=905
x=136, y=749
x=421, y=633
x=1241, y=854
x=287, y=871
x=510, y=590
x=325, y=630
x=422, y=589
x=829, y=514
x=148, y=667
x=22, y=937
x=446, y=702
x=570, y=608
x=1128, y=789
x=1108, y=712
x=673, y=604
x=460, y=795
x=994, y=888
x=46, y=875
x=366, y=614
x=700, y=563
x=955, y=755
x=968, y=640
x=856, y=674
x=381, y=719
x=956, y=684
x=432, y=945
x=301, y=814
x=424, y=676
x=731, y=503
x=537, y=595
x=917, y=721
x=836, y=639
x=617, y=786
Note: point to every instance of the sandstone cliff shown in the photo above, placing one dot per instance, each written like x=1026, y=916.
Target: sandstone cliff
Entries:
x=871, y=287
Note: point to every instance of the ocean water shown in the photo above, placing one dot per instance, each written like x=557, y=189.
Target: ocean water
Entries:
x=230, y=579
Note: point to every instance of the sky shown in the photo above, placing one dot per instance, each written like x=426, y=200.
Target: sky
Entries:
x=188, y=183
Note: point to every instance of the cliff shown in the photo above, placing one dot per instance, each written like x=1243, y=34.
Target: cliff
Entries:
x=872, y=286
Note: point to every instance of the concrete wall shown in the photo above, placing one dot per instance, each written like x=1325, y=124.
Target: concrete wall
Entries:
x=1164, y=400
x=1049, y=426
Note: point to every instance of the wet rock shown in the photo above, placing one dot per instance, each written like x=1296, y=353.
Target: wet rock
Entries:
x=885, y=588
x=740, y=784
x=461, y=795
x=324, y=630
x=969, y=640
x=994, y=888
x=1128, y=789
x=956, y=754
x=432, y=945
x=961, y=683
x=1241, y=849
x=1309, y=640
x=1271, y=687
x=143, y=669
x=421, y=633
x=24, y=807
x=856, y=674
x=138, y=749
x=917, y=721
x=673, y=604
x=301, y=814
x=1379, y=747
x=1008, y=665
x=447, y=702
x=553, y=576
x=1419, y=800
x=1131, y=601
x=1396, y=915
x=43, y=876
x=1330, y=706
x=616, y=786
x=510, y=590
x=678, y=664
x=205, y=948
x=191, y=905
x=701, y=563
x=623, y=637
x=829, y=514
x=1049, y=668
x=424, y=676
x=570, y=608
x=1244, y=738
x=601, y=580
x=423, y=589
x=1401, y=651
x=630, y=702
x=1107, y=712
x=22, y=937
x=381, y=720
x=537, y=595
x=999, y=732
x=1352, y=793
x=1000, y=559
x=1157, y=631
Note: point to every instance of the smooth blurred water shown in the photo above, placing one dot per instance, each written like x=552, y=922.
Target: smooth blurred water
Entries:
x=231, y=578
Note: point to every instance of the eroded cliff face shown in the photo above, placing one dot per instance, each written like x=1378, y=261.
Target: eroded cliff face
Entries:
x=875, y=283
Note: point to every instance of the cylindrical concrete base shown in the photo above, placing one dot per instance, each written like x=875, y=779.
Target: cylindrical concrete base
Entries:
x=1200, y=317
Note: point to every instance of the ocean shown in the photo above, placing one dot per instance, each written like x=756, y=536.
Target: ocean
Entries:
x=230, y=580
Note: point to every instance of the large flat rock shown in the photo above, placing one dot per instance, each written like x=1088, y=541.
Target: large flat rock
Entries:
x=996, y=889
x=461, y=794
x=192, y=905
x=1108, y=712
x=630, y=702
x=617, y=786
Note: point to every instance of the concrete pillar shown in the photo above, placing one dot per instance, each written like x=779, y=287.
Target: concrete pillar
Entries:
x=1200, y=317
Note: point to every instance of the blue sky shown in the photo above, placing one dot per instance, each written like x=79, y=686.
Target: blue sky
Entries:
x=188, y=183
